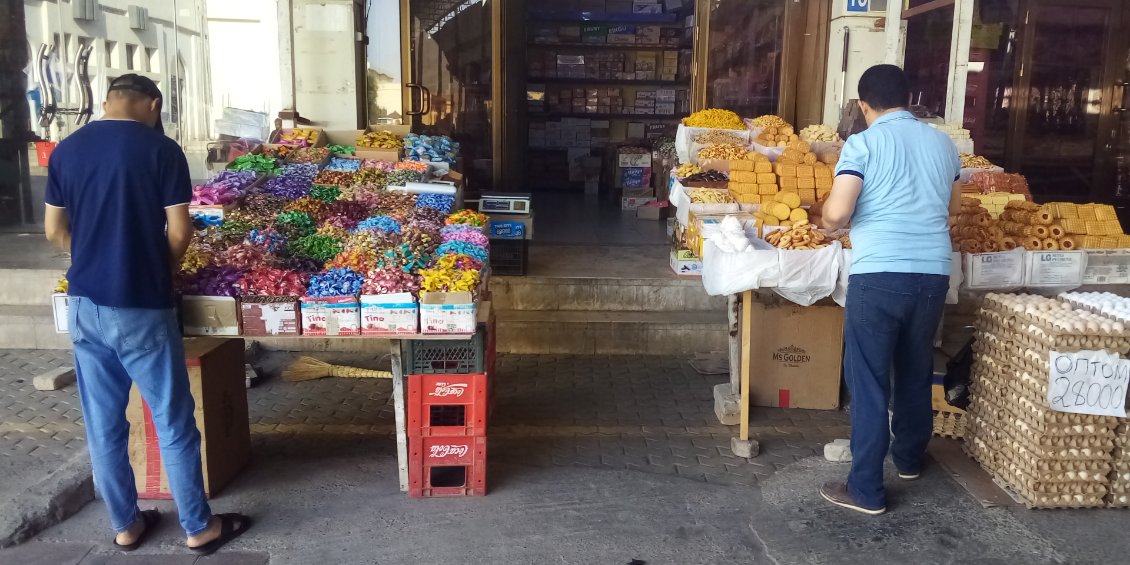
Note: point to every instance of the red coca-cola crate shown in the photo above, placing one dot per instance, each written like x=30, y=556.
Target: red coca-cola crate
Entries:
x=447, y=405
x=447, y=466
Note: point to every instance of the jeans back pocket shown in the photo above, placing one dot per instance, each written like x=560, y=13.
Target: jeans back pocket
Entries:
x=142, y=329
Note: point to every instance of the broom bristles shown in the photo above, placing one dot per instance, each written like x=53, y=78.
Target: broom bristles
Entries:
x=309, y=368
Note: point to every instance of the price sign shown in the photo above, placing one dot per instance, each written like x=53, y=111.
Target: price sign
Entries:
x=1088, y=382
x=858, y=5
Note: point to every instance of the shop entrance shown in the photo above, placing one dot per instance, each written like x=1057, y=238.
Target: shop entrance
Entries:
x=1053, y=97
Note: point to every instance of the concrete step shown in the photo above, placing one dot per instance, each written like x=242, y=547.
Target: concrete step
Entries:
x=28, y=287
x=611, y=333
x=30, y=327
x=603, y=294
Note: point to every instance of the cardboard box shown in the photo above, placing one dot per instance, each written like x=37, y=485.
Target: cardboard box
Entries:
x=390, y=155
x=217, y=382
x=389, y=314
x=59, y=308
x=270, y=315
x=793, y=366
x=686, y=263
x=652, y=213
x=210, y=315
x=632, y=203
x=447, y=313
x=511, y=227
x=337, y=315
x=343, y=136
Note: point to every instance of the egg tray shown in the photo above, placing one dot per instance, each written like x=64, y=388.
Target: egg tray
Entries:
x=1044, y=480
x=1118, y=500
x=1073, y=299
x=949, y=424
x=1030, y=404
x=1048, y=500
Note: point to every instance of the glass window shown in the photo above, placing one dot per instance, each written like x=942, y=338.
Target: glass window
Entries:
x=744, y=70
x=384, y=84
x=928, y=39
x=131, y=57
x=989, y=89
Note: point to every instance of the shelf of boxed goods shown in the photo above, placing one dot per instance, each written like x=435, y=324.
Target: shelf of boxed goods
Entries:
x=608, y=81
x=554, y=115
x=605, y=18
x=613, y=46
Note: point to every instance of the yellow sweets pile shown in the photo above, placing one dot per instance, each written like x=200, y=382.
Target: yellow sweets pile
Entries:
x=1096, y=225
x=973, y=230
x=799, y=170
x=1035, y=228
x=752, y=180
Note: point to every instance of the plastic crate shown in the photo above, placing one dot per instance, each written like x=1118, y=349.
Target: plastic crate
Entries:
x=447, y=466
x=447, y=405
x=509, y=257
x=444, y=357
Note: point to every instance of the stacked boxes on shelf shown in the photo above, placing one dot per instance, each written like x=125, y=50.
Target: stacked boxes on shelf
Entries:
x=1051, y=459
x=448, y=407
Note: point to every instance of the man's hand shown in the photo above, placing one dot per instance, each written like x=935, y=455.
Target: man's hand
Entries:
x=57, y=226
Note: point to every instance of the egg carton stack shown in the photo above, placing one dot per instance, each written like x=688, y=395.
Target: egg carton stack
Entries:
x=1118, y=308
x=1051, y=459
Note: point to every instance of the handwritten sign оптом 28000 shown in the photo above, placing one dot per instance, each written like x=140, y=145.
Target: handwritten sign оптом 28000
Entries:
x=1088, y=382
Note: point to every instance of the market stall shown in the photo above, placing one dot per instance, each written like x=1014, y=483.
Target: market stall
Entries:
x=742, y=190
x=347, y=235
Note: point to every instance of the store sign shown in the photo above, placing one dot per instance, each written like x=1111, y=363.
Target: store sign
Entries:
x=1088, y=382
x=858, y=5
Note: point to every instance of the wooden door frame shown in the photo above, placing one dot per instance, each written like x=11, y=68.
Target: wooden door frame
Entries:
x=1102, y=185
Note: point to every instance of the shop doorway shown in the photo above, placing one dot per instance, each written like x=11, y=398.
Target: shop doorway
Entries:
x=449, y=55
x=1064, y=109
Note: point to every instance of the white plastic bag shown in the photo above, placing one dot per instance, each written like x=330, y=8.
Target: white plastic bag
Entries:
x=808, y=276
x=724, y=274
x=840, y=294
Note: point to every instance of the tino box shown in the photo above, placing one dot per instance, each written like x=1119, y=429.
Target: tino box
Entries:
x=389, y=314
x=336, y=315
x=447, y=313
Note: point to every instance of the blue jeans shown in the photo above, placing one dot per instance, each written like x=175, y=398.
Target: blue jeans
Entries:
x=889, y=323
x=117, y=347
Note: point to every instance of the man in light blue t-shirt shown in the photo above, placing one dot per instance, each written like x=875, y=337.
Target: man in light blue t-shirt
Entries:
x=896, y=184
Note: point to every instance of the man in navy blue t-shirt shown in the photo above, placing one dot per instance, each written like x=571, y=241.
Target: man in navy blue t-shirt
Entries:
x=117, y=198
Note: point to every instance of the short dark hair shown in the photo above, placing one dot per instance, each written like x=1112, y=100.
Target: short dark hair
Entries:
x=884, y=87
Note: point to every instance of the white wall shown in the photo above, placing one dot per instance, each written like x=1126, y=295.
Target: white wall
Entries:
x=156, y=52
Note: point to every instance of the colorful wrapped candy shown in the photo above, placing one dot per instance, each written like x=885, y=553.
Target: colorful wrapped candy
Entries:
x=289, y=186
x=320, y=248
x=266, y=281
x=334, y=178
x=245, y=256
x=61, y=286
x=342, y=164
x=390, y=281
x=459, y=263
x=298, y=137
x=345, y=214
x=259, y=205
x=254, y=162
x=379, y=223
x=267, y=238
x=224, y=188
x=308, y=155
x=415, y=166
x=468, y=217
x=383, y=166
x=325, y=193
x=302, y=170
x=308, y=205
x=463, y=248
x=370, y=176
x=379, y=140
x=335, y=282
x=401, y=177
x=294, y=223
x=435, y=148
x=213, y=280
x=402, y=257
x=473, y=237
x=337, y=149
x=196, y=257
x=441, y=202
x=302, y=265
x=448, y=280
x=360, y=259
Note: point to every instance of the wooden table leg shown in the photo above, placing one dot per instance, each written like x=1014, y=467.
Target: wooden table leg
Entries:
x=398, y=411
x=747, y=322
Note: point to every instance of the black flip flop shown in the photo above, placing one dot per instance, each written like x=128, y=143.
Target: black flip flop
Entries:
x=151, y=518
x=228, y=532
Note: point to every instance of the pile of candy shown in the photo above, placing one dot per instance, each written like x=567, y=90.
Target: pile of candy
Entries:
x=431, y=148
x=325, y=224
x=298, y=137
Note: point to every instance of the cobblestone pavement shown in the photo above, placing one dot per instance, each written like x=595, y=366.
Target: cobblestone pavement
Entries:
x=638, y=413
x=38, y=430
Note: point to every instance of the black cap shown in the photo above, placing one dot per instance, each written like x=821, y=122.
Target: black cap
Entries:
x=142, y=85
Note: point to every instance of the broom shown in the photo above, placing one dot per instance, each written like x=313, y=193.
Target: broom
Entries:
x=309, y=368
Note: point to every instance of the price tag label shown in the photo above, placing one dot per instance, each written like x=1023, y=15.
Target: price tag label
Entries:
x=995, y=270
x=1056, y=268
x=1088, y=382
x=1107, y=266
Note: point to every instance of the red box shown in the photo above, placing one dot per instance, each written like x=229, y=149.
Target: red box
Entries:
x=447, y=466
x=447, y=405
